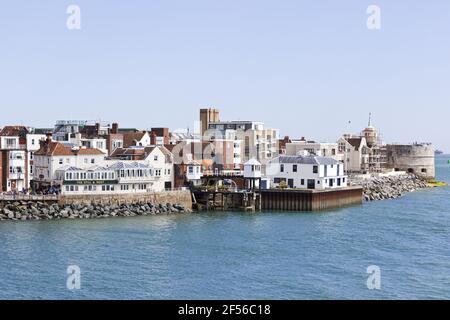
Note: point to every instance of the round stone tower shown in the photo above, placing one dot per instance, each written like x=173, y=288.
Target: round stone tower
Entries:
x=418, y=158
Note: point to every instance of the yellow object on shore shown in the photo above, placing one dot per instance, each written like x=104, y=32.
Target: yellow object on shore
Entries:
x=437, y=184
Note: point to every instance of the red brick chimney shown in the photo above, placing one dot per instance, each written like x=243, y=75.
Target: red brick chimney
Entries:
x=152, y=138
x=115, y=128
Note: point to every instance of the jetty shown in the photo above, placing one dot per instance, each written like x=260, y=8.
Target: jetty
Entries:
x=277, y=199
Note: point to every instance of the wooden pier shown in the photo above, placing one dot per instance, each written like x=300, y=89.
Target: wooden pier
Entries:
x=278, y=199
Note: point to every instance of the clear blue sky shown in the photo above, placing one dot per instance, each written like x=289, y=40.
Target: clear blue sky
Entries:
x=307, y=67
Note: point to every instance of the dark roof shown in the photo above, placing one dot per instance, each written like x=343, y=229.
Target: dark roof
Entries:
x=130, y=138
x=356, y=142
x=306, y=160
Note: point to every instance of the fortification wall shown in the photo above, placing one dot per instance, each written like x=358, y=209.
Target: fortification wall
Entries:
x=182, y=197
x=413, y=158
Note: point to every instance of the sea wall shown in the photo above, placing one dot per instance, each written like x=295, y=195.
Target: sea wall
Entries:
x=181, y=197
x=92, y=206
x=389, y=187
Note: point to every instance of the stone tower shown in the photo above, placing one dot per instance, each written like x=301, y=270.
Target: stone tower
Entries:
x=370, y=133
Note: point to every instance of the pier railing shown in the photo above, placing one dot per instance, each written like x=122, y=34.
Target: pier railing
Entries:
x=28, y=197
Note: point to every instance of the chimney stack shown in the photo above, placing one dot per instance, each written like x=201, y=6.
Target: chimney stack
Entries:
x=153, y=138
x=115, y=128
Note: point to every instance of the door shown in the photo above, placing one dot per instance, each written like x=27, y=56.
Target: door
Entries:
x=311, y=184
x=291, y=183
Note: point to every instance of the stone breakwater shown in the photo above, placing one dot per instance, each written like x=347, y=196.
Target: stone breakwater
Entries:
x=390, y=187
x=29, y=210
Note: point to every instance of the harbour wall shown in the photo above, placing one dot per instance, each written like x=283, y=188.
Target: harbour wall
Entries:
x=182, y=197
x=310, y=200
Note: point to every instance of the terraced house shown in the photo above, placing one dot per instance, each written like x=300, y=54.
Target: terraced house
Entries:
x=53, y=156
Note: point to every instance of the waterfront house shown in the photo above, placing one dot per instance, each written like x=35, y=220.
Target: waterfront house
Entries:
x=53, y=155
x=119, y=178
x=306, y=172
x=14, y=175
x=158, y=157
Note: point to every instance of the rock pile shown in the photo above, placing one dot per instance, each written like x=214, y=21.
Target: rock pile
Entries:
x=389, y=187
x=24, y=210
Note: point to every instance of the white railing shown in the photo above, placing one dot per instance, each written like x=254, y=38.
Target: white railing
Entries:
x=28, y=197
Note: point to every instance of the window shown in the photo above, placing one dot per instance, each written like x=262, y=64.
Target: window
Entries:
x=294, y=168
x=85, y=160
x=281, y=167
x=92, y=161
x=155, y=158
x=67, y=160
x=191, y=170
x=315, y=169
x=302, y=182
x=61, y=161
x=318, y=181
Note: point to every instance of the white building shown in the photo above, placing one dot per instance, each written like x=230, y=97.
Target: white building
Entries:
x=320, y=149
x=157, y=157
x=306, y=172
x=53, y=156
x=194, y=172
x=120, y=178
x=92, y=142
x=355, y=153
x=161, y=159
x=14, y=174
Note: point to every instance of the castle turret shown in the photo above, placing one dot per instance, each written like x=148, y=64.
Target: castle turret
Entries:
x=370, y=133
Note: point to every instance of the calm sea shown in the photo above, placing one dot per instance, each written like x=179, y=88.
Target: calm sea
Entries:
x=271, y=255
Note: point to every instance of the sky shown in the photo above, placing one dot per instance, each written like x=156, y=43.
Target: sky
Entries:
x=310, y=68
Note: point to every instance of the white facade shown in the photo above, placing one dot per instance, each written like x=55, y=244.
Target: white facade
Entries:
x=162, y=162
x=194, y=172
x=33, y=145
x=314, y=148
x=45, y=166
x=354, y=152
x=120, y=178
x=306, y=172
x=17, y=170
x=252, y=169
x=94, y=143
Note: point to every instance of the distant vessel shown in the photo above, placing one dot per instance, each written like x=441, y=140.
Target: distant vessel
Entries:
x=438, y=152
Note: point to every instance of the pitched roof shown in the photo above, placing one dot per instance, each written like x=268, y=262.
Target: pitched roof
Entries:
x=14, y=131
x=58, y=149
x=127, y=152
x=315, y=160
x=356, y=142
x=130, y=138
x=253, y=162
